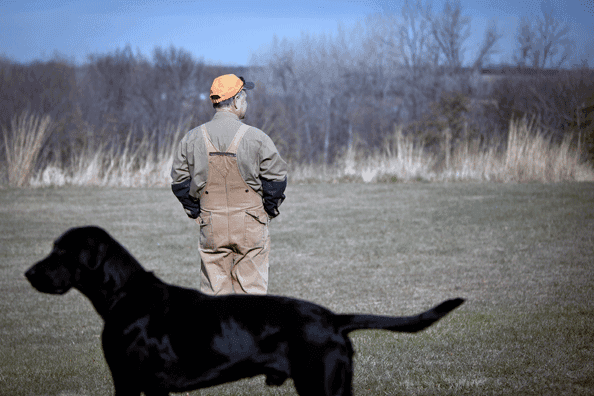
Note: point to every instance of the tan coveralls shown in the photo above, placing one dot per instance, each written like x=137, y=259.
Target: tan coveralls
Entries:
x=234, y=238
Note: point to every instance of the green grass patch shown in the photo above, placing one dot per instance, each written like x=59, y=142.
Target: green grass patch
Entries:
x=521, y=254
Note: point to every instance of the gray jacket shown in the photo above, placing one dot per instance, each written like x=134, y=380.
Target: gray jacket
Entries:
x=259, y=162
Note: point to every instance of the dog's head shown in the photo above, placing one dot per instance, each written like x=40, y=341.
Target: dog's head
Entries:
x=75, y=258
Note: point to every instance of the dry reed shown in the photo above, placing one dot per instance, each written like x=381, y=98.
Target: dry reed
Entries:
x=23, y=142
x=528, y=155
x=140, y=163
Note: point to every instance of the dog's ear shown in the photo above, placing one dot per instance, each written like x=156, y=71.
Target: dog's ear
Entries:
x=94, y=256
x=101, y=254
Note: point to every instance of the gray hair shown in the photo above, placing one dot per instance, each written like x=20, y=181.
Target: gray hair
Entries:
x=228, y=102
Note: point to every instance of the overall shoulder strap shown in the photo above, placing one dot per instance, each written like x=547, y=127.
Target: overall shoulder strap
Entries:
x=210, y=148
x=235, y=143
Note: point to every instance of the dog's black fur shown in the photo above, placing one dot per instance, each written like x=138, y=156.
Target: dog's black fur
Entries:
x=160, y=338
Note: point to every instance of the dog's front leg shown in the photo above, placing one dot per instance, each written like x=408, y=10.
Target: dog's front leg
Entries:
x=125, y=382
x=125, y=386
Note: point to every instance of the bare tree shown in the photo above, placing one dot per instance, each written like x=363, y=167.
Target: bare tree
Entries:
x=123, y=93
x=39, y=87
x=418, y=47
x=410, y=54
x=488, y=46
x=331, y=89
x=107, y=83
x=544, y=42
x=281, y=61
x=526, y=40
x=174, y=82
x=307, y=76
x=450, y=29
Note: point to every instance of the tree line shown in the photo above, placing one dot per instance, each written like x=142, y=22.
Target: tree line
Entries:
x=317, y=96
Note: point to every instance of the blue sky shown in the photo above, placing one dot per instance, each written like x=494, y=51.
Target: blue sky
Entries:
x=229, y=31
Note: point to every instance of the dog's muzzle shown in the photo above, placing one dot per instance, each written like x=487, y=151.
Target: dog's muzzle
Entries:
x=49, y=280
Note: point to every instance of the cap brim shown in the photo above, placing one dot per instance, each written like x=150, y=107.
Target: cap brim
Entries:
x=247, y=84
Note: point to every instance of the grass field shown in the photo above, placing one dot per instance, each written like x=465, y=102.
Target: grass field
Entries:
x=521, y=254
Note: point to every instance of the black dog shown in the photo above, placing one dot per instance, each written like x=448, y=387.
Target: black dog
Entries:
x=160, y=338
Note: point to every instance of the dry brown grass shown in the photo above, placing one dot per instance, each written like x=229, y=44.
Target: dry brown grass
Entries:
x=528, y=155
x=23, y=142
x=140, y=163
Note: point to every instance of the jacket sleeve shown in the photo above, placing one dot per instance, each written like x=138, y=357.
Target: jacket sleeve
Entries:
x=273, y=195
x=273, y=175
x=182, y=181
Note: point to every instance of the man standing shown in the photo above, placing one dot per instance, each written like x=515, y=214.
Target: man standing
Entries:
x=230, y=177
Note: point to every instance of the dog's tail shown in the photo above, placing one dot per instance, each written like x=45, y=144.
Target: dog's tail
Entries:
x=407, y=324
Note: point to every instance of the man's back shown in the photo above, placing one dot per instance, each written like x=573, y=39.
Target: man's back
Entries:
x=231, y=179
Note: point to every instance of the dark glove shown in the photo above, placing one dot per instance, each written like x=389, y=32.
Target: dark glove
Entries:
x=273, y=195
x=190, y=204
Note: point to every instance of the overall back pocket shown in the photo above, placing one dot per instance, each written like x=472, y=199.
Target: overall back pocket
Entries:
x=206, y=231
x=256, y=229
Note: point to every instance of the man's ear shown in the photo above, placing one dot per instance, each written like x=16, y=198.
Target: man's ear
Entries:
x=236, y=98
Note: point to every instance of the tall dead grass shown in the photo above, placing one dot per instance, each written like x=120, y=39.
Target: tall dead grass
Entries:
x=531, y=156
x=23, y=142
x=527, y=156
x=140, y=163
x=401, y=160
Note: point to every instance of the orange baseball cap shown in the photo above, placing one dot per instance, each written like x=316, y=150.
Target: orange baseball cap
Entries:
x=227, y=86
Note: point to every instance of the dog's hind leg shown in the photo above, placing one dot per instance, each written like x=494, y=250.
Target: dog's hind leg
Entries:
x=330, y=376
x=338, y=374
x=156, y=392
